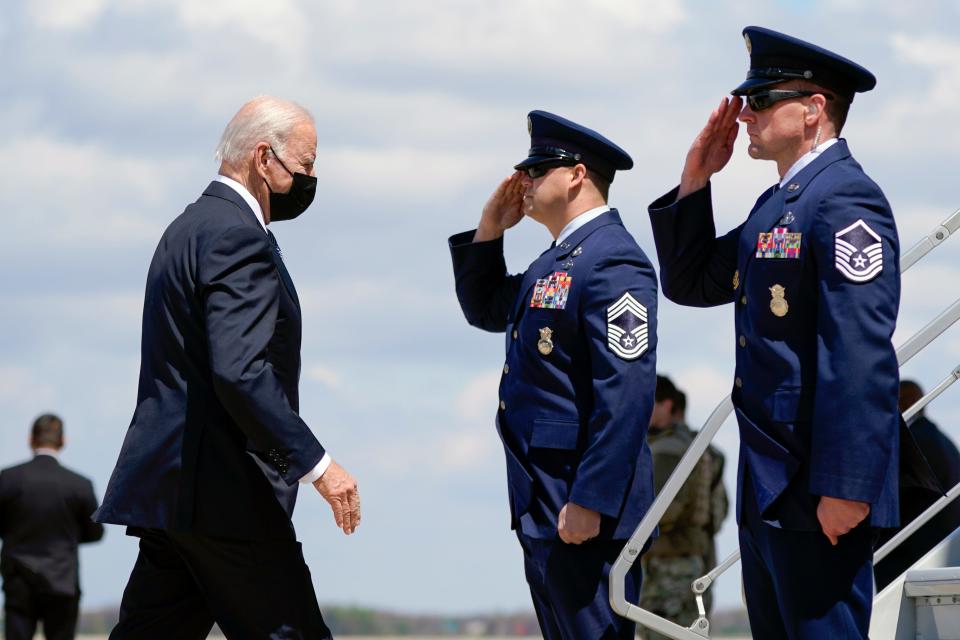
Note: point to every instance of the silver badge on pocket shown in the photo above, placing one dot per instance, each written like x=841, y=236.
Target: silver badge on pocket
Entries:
x=545, y=343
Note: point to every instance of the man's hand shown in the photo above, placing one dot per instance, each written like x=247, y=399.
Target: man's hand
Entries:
x=503, y=210
x=838, y=516
x=340, y=489
x=712, y=149
x=577, y=524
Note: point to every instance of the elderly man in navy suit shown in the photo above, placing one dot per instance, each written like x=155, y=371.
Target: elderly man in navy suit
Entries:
x=576, y=392
x=813, y=274
x=207, y=476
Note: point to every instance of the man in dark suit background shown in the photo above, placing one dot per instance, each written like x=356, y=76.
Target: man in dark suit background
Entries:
x=944, y=459
x=44, y=515
x=207, y=476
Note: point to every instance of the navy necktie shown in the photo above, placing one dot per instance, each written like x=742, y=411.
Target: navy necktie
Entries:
x=276, y=246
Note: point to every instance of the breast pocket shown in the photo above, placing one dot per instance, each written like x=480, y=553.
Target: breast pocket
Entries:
x=774, y=288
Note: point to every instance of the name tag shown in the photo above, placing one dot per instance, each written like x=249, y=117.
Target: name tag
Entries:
x=779, y=243
x=552, y=292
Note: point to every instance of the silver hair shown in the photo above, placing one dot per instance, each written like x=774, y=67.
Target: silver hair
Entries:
x=263, y=119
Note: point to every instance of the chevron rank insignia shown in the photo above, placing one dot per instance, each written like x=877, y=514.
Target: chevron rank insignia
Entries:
x=858, y=252
x=627, y=328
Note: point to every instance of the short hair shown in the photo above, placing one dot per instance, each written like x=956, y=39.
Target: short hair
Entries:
x=910, y=393
x=47, y=432
x=679, y=402
x=601, y=183
x=665, y=389
x=837, y=109
x=263, y=119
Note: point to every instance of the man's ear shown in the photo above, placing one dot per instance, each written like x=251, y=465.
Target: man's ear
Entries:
x=578, y=175
x=815, y=108
x=261, y=155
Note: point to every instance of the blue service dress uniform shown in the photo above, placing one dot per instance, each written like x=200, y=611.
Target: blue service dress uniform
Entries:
x=576, y=396
x=813, y=274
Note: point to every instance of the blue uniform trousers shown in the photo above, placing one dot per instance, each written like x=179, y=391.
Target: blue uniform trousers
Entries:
x=800, y=586
x=570, y=588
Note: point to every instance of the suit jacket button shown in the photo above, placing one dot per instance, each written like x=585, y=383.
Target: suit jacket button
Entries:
x=742, y=341
x=738, y=382
x=506, y=369
x=503, y=406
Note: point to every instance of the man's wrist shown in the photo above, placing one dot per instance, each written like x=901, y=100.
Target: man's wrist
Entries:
x=689, y=185
x=487, y=232
x=317, y=472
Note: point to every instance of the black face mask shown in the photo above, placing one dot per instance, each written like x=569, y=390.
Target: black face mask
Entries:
x=289, y=205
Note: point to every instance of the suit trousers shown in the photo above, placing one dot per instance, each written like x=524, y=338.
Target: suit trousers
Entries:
x=184, y=582
x=569, y=585
x=800, y=587
x=25, y=606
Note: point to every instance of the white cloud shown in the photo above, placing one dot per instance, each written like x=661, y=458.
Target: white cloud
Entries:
x=23, y=389
x=65, y=15
x=278, y=23
x=84, y=195
x=490, y=34
x=475, y=402
x=324, y=375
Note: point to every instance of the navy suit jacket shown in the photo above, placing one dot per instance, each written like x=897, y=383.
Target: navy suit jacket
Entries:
x=816, y=382
x=44, y=514
x=216, y=444
x=573, y=420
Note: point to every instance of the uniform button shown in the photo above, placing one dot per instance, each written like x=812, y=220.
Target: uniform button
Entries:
x=503, y=406
x=515, y=334
x=742, y=341
x=506, y=369
x=743, y=300
x=737, y=382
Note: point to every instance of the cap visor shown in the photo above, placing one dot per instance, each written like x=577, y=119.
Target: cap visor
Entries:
x=751, y=84
x=535, y=160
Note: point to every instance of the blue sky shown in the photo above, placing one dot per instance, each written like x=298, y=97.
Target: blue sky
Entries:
x=112, y=111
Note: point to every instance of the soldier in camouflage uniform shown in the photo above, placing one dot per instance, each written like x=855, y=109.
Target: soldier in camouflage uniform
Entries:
x=719, y=502
x=677, y=557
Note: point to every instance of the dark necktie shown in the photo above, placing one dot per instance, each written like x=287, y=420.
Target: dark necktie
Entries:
x=276, y=245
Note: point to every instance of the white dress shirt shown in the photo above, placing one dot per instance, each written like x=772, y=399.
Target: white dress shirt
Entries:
x=46, y=451
x=325, y=461
x=581, y=220
x=806, y=159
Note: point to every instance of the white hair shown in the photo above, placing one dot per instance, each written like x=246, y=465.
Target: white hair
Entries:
x=263, y=119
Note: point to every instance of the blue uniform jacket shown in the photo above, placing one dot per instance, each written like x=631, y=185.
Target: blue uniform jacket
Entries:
x=575, y=401
x=216, y=444
x=816, y=376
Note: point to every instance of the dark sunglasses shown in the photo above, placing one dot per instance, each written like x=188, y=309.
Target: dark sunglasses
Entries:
x=539, y=170
x=760, y=100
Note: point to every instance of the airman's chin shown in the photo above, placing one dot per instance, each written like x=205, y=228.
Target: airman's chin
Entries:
x=754, y=152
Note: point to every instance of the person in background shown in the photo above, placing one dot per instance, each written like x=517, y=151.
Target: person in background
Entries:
x=944, y=459
x=677, y=557
x=44, y=516
x=719, y=500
